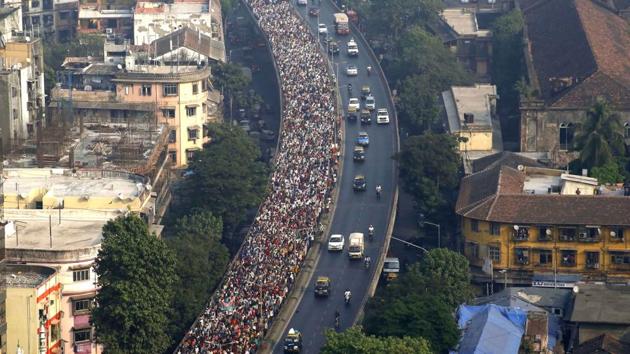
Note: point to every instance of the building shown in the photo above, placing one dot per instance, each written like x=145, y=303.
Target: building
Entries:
x=471, y=118
x=603, y=344
x=490, y=329
x=599, y=309
x=3, y=280
x=187, y=44
x=621, y=7
x=153, y=20
x=56, y=220
x=526, y=220
x=33, y=309
x=576, y=52
x=21, y=89
x=471, y=45
x=48, y=19
x=556, y=301
x=100, y=16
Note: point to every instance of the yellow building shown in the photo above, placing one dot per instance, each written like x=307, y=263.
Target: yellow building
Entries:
x=527, y=221
x=33, y=309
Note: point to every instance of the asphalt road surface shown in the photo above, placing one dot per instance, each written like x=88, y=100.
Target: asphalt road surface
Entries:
x=355, y=211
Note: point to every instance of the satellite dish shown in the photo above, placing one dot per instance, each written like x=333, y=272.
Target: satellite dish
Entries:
x=576, y=289
x=613, y=234
x=516, y=227
x=119, y=67
x=548, y=232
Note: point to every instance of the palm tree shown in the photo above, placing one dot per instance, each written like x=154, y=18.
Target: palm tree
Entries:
x=601, y=138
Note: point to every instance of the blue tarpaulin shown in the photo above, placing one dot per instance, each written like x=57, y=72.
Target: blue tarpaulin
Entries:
x=490, y=329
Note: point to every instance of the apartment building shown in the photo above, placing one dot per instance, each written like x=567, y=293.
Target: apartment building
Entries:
x=525, y=220
x=101, y=16
x=54, y=20
x=33, y=309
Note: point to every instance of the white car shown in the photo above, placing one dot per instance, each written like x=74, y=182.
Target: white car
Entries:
x=336, y=242
x=370, y=103
x=354, y=105
x=322, y=29
x=352, y=70
x=382, y=116
x=353, y=48
x=302, y=2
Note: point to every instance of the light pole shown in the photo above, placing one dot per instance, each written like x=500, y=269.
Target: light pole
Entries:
x=504, y=272
x=422, y=222
x=410, y=244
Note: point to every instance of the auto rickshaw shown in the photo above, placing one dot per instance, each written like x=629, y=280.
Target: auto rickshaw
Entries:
x=293, y=341
x=322, y=286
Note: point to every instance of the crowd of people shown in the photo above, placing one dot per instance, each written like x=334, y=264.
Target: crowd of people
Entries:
x=260, y=278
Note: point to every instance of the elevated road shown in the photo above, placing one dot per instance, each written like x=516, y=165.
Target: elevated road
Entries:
x=355, y=211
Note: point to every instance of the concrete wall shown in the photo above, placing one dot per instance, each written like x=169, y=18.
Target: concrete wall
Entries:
x=10, y=106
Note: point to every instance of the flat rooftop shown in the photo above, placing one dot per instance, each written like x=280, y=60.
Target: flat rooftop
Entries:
x=476, y=100
x=147, y=7
x=464, y=22
x=69, y=235
x=161, y=69
x=62, y=182
x=601, y=304
x=26, y=276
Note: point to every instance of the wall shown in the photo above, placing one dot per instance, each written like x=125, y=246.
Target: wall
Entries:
x=10, y=105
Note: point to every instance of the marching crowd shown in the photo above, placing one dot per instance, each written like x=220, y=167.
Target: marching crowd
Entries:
x=258, y=281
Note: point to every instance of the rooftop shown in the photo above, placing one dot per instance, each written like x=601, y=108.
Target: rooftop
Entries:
x=26, y=276
x=604, y=343
x=590, y=47
x=536, y=296
x=35, y=234
x=476, y=100
x=464, y=22
x=150, y=7
x=62, y=182
x=191, y=39
x=601, y=304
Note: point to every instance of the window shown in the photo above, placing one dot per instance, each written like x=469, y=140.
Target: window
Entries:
x=545, y=257
x=566, y=136
x=145, y=90
x=620, y=258
x=191, y=111
x=592, y=260
x=616, y=234
x=626, y=130
x=112, y=23
x=34, y=3
x=544, y=233
x=190, y=154
x=82, y=305
x=193, y=134
x=128, y=88
x=472, y=250
x=588, y=234
x=520, y=233
x=204, y=85
x=168, y=113
x=195, y=89
x=13, y=92
x=172, y=155
x=15, y=114
x=81, y=274
x=82, y=335
x=170, y=89
x=568, y=258
x=63, y=15
x=495, y=228
x=521, y=256
x=474, y=225
x=92, y=24
x=567, y=234
x=204, y=108
x=35, y=19
x=172, y=136
x=495, y=254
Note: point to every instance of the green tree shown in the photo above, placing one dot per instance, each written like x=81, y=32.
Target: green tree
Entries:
x=446, y=274
x=353, y=340
x=429, y=167
x=507, y=61
x=609, y=172
x=201, y=262
x=229, y=77
x=601, y=137
x=228, y=176
x=136, y=273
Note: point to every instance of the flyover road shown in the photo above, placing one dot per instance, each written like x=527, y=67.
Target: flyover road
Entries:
x=355, y=211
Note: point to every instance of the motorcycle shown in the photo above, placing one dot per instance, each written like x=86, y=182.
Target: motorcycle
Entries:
x=347, y=295
x=367, y=262
x=371, y=233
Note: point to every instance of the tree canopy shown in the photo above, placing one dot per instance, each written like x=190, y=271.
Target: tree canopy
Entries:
x=446, y=274
x=507, y=61
x=228, y=176
x=601, y=136
x=201, y=262
x=353, y=340
x=136, y=273
x=429, y=167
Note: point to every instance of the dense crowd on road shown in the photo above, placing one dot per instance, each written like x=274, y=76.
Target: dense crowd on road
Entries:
x=261, y=276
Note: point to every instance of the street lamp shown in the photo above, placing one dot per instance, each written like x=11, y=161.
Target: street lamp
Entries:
x=504, y=272
x=410, y=244
x=421, y=223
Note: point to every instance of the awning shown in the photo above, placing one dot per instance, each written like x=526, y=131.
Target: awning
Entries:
x=194, y=127
x=192, y=105
x=193, y=149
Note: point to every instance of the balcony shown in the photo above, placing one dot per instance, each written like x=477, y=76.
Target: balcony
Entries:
x=521, y=256
x=520, y=234
x=567, y=235
x=589, y=235
x=545, y=234
x=568, y=258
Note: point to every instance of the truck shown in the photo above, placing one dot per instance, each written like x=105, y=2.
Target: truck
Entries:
x=391, y=268
x=341, y=23
x=356, y=245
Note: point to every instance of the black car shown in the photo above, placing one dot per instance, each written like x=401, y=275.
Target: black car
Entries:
x=352, y=117
x=358, y=154
x=359, y=184
x=333, y=48
x=366, y=116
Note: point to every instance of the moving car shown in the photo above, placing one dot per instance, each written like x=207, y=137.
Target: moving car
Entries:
x=358, y=154
x=370, y=103
x=359, y=184
x=365, y=91
x=366, y=116
x=293, y=341
x=382, y=116
x=353, y=48
x=313, y=11
x=322, y=29
x=336, y=242
x=352, y=117
x=333, y=48
x=353, y=104
x=352, y=70
x=322, y=286
x=363, y=139
x=302, y=2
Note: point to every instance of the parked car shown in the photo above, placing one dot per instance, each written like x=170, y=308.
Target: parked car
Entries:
x=359, y=184
x=353, y=104
x=363, y=139
x=382, y=116
x=336, y=242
